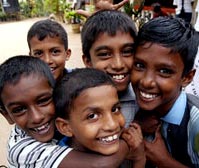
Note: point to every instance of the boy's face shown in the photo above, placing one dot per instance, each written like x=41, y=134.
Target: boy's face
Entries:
x=51, y=51
x=113, y=55
x=157, y=77
x=96, y=121
x=30, y=105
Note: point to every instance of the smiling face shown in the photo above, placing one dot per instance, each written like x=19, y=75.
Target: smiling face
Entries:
x=96, y=121
x=30, y=105
x=52, y=51
x=113, y=55
x=157, y=77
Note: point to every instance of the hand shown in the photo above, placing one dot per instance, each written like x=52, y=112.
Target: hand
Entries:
x=102, y=5
x=133, y=137
x=156, y=151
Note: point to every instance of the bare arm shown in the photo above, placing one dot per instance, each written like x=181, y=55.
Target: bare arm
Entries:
x=102, y=5
x=76, y=159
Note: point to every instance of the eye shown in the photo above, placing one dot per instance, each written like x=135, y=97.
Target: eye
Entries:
x=128, y=52
x=19, y=110
x=116, y=109
x=166, y=72
x=104, y=54
x=56, y=52
x=45, y=100
x=138, y=65
x=37, y=53
x=92, y=116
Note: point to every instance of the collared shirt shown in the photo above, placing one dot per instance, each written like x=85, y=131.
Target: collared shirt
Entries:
x=175, y=115
x=129, y=106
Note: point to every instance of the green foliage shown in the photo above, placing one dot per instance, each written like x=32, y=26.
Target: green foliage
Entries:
x=25, y=9
x=3, y=16
x=73, y=16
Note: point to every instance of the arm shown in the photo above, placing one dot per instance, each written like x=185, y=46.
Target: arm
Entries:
x=25, y=151
x=76, y=159
x=102, y=5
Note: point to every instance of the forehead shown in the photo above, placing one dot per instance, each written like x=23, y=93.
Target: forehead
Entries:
x=96, y=96
x=106, y=38
x=25, y=85
x=153, y=53
x=50, y=40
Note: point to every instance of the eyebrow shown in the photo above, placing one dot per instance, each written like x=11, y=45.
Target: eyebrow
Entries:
x=104, y=47
x=94, y=108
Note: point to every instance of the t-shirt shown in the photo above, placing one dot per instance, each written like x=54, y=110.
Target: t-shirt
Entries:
x=25, y=151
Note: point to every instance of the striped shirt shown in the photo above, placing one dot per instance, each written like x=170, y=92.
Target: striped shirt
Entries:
x=26, y=152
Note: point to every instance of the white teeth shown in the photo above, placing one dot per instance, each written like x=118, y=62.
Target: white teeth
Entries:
x=148, y=96
x=110, y=138
x=118, y=77
x=41, y=127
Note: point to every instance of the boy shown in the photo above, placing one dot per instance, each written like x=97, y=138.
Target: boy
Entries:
x=163, y=61
x=89, y=113
x=108, y=44
x=26, y=91
x=48, y=41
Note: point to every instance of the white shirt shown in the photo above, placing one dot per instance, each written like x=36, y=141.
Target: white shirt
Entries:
x=187, y=6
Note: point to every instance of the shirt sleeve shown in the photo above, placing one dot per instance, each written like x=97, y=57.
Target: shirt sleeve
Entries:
x=25, y=151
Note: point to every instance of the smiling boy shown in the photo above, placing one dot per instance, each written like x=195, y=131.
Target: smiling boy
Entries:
x=108, y=39
x=26, y=92
x=163, y=66
x=48, y=40
x=89, y=113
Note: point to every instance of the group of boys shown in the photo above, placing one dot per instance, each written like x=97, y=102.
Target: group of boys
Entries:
x=95, y=106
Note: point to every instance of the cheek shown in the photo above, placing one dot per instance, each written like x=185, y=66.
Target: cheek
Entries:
x=121, y=120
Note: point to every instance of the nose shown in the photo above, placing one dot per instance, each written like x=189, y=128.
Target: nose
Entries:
x=148, y=80
x=47, y=58
x=117, y=62
x=36, y=116
x=110, y=123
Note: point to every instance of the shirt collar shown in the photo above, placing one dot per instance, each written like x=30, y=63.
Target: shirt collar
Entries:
x=128, y=95
x=175, y=115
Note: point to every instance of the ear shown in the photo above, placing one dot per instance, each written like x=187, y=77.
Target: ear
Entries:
x=63, y=127
x=7, y=116
x=188, y=78
x=87, y=61
x=68, y=54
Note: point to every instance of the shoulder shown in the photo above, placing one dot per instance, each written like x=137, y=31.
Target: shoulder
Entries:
x=193, y=100
x=128, y=94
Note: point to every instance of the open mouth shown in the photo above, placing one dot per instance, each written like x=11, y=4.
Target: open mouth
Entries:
x=118, y=77
x=52, y=69
x=110, y=139
x=41, y=129
x=148, y=96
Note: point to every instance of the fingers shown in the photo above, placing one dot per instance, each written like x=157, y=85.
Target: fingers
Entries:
x=83, y=13
x=119, y=5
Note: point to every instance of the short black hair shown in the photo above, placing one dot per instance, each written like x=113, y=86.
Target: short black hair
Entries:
x=47, y=27
x=72, y=84
x=105, y=21
x=18, y=66
x=172, y=33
